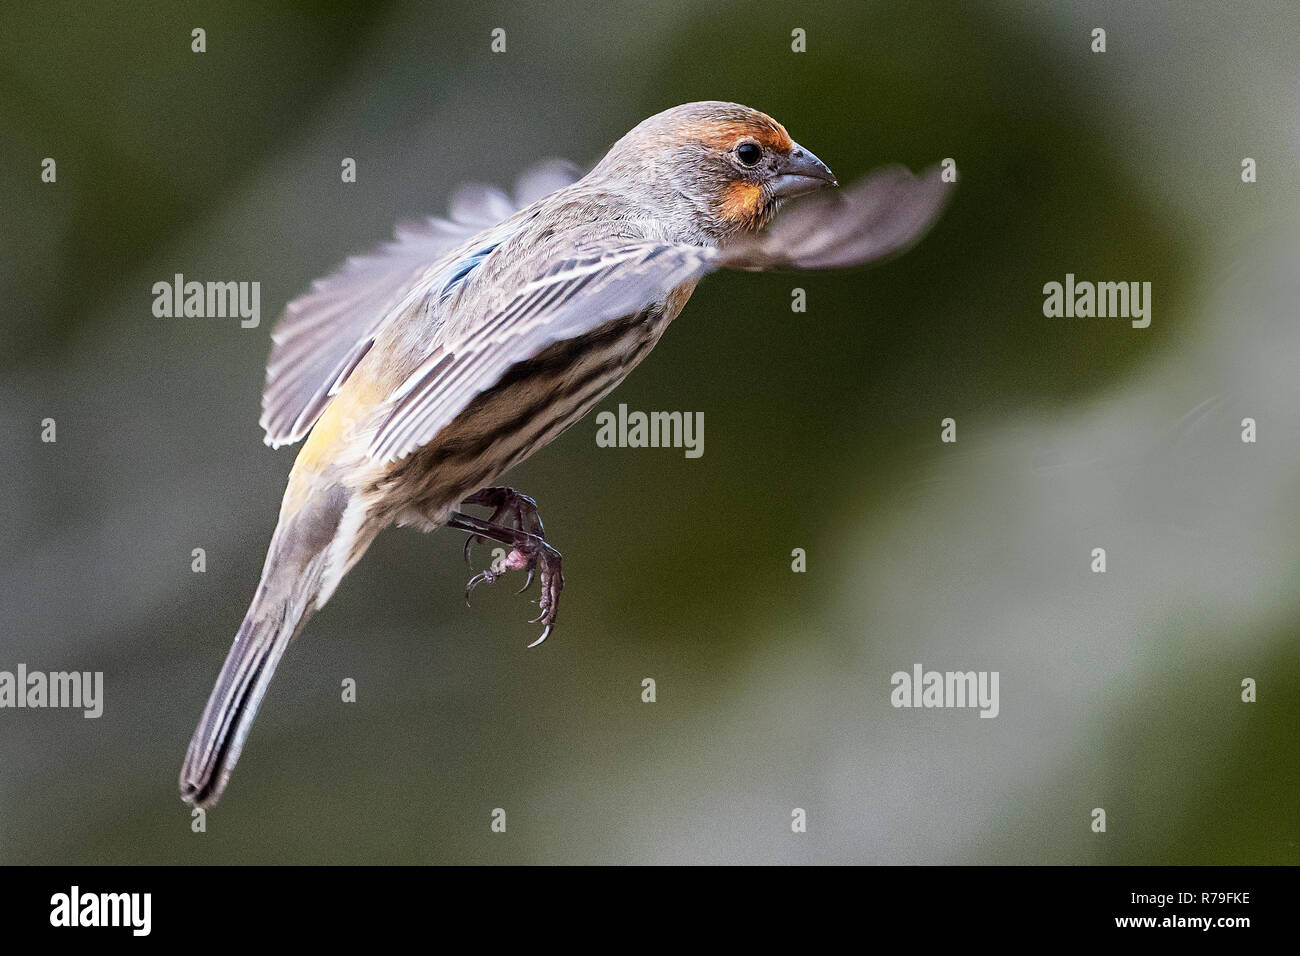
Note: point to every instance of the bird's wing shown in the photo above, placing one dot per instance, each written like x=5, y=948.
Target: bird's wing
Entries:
x=576, y=296
x=883, y=215
x=876, y=218
x=326, y=332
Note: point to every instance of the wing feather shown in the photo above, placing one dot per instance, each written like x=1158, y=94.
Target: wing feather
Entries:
x=575, y=297
x=881, y=216
x=326, y=332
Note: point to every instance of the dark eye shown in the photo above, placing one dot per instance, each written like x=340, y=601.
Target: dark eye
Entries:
x=749, y=154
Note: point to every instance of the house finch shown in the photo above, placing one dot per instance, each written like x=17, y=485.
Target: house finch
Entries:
x=428, y=369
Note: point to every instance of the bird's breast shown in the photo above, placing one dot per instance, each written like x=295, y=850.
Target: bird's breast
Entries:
x=678, y=298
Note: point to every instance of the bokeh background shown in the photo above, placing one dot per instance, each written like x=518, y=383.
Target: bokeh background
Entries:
x=1119, y=690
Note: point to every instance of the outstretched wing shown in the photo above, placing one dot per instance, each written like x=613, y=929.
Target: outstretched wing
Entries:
x=578, y=295
x=881, y=216
x=325, y=333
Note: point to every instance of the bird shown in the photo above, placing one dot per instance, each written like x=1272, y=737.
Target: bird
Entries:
x=420, y=374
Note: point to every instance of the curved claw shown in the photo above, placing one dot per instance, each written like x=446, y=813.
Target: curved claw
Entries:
x=475, y=581
x=515, y=523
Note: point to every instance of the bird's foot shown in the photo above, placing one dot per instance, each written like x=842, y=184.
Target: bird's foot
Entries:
x=529, y=552
x=510, y=509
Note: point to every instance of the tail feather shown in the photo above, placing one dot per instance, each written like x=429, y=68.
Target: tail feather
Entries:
x=285, y=599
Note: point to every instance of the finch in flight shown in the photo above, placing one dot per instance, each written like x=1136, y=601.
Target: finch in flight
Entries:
x=423, y=372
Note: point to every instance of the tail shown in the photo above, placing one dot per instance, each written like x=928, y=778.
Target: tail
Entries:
x=290, y=590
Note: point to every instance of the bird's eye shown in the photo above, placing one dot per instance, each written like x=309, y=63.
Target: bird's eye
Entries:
x=749, y=154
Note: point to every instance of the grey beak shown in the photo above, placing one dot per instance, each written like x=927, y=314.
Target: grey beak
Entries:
x=801, y=173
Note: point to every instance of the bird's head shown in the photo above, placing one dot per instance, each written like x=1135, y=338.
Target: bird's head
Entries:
x=724, y=166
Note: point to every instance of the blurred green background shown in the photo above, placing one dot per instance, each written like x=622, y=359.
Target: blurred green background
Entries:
x=821, y=432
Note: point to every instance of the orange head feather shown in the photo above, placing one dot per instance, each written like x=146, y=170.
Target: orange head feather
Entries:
x=714, y=169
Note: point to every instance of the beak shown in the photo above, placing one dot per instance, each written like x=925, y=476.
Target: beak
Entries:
x=800, y=173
